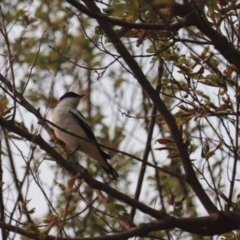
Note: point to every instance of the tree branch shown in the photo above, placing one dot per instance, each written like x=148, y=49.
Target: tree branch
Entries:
x=4, y=232
x=44, y=123
x=148, y=26
x=189, y=18
x=154, y=95
x=148, y=142
x=219, y=41
x=209, y=225
x=37, y=139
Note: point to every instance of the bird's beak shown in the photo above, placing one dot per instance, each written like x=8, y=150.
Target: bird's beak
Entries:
x=82, y=95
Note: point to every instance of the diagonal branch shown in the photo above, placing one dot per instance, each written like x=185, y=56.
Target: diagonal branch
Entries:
x=161, y=107
x=209, y=225
x=17, y=183
x=44, y=123
x=37, y=139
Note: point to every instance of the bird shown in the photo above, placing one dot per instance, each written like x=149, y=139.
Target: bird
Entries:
x=66, y=116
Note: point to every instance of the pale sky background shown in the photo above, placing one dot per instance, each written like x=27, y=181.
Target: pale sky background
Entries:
x=135, y=142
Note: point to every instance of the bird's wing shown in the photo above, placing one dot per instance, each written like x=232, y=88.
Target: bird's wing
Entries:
x=82, y=121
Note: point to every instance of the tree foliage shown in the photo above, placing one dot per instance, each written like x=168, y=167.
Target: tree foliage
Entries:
x=161, y=79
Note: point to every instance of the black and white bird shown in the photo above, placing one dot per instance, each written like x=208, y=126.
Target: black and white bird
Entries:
x=67, y=117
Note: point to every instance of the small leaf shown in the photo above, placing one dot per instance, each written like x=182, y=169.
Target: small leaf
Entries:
x=62, y=187
x=3, y=105
x=171, y=197
x=173, y=154
x=31, y=211
x=72, y=180
x=116, y=208
x=71, y=208
x=205, y=52
x=164, y=141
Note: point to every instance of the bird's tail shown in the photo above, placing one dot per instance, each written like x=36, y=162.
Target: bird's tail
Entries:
x=111, y=172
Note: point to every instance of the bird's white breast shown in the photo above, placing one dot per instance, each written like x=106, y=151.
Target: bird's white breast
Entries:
x=63, y=119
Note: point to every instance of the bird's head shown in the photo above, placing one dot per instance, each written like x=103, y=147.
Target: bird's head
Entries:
x=70, y=99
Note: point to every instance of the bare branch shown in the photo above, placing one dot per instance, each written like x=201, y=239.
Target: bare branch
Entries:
x=154, y=95
x=148, y=26
x=37, y=139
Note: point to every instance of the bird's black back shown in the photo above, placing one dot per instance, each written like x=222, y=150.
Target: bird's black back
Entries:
x=69, y=95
